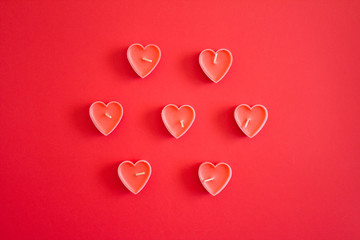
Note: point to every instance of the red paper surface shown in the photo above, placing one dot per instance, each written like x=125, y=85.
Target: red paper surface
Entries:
x=299, y=178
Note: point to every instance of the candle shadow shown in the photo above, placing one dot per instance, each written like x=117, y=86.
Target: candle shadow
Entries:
x=189, y=176
x=108, y=175
x=83, y=122
x=226, y=121
x=118, y=60
x=153, y=119
x=191, y=66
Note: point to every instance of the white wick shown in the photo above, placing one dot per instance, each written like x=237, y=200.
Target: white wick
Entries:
x=146, y=59
x=247, y=122
x=215, y=58
x=140, y=173
x=182, y=123
x=108, y=115
x=209, y=179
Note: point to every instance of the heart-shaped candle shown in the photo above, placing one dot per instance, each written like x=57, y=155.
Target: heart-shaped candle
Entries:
x=106, y=116
x=215, y=64
x=134, y=176
x=178, y=120
x=214, y=178
x=143, y=59
x=250, y=119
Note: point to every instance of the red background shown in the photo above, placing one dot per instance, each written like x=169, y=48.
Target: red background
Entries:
x=299, y=178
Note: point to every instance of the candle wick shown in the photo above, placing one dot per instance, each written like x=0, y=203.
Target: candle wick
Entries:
x=141, y=173
x=247, y=122
x=215, y=58
x=182, y=123
x=146, y=59
x=209, y=179
x=108, y=115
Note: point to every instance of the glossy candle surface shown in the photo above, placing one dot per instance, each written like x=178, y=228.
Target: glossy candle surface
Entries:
x=106, y=117
x=143, y=59
x=250, y=119
x=215, y=64
x=214, y=178
x=134, y=176
x=178, y=120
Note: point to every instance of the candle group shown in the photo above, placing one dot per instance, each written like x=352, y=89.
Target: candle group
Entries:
x=214, y=178
x=177, y=120
x=143, y=60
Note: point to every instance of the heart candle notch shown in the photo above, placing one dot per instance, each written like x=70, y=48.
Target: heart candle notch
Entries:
x=178, y=120
x=214, y=178
x=143, y=59
x=134, y=176
x=215, y=64
x=106, y=117
x=250, y=119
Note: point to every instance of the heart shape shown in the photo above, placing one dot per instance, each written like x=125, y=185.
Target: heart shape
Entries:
x=178, y=120
x=106, y=117
x=214, y=178
x=215, y=64
x=143, y=59
x=250, y=120
x=134, y=176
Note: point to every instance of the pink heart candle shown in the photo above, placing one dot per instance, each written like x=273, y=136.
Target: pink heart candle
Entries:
x=134, y=176
x=106, y=116
x=214, y=178
x=178, y=120
x=250, y=119
x=215, y=64
x=143, y=59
